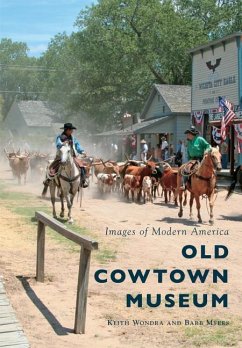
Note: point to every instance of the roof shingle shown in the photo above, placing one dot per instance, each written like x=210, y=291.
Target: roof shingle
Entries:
x=37, y=113
x=177, y=97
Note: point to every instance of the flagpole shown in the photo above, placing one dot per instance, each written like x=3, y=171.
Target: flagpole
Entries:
x=232, y=149
x=227, y=118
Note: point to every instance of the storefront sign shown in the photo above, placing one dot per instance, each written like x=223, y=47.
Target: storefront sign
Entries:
x=218, y=116
x=215, y=73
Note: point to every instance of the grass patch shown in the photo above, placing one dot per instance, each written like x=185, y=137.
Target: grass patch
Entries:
x=106, y=255
x=24, y=206
x=66, y=243
x=29, y=212
x=73, y=247
x=222, y=335
x=13, y=196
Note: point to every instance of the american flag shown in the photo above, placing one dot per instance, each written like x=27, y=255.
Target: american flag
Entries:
x=228, y=110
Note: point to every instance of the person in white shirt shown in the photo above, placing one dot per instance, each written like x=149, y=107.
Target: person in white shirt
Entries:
x=144, y=150
x=164, y=147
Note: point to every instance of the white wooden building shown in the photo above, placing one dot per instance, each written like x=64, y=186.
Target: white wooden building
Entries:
x=169, y=106
x=217, y=71
x=167, y=112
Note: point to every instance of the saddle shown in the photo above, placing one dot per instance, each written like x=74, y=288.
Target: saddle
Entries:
x=55, y=165
x=191, y=167
x=79, y=162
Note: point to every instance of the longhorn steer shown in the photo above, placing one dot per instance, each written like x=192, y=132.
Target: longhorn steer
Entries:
x=38, y=164
x=105, y=182
x=105, y=167
x=169, y=183
x=19, y=166
x=131, y=183
x=155, y=178
x=146, y=188
x=147, y=170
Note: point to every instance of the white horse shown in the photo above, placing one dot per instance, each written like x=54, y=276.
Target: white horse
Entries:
x=67, y=180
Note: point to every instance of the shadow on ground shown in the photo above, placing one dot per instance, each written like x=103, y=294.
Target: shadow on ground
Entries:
x=183, y=221
x=54, y=323
x=231, y=218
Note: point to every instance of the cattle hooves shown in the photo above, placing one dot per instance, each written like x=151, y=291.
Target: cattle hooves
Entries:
x=200, y=221
x=180, y=214
x=62, y=215
x=70, y=221
x=211, y=222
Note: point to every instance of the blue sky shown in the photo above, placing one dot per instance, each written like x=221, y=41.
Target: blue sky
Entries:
x=37, y=21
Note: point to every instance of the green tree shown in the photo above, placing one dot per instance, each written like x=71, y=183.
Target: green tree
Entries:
x=125, y=47
x=122, y=47
x=18, y=74
x=216, y=18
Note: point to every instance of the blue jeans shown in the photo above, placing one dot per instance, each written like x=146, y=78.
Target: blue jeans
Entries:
x=224, y=161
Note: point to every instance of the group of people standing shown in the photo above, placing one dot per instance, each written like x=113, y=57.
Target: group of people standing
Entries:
x=164, y=151
x=192, y=148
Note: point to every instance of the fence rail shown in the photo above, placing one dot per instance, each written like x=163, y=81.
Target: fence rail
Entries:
x=87, y=245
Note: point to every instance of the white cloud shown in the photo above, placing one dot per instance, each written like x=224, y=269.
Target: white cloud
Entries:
x=37, y=50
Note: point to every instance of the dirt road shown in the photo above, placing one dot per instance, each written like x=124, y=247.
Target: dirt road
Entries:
x=47, y=310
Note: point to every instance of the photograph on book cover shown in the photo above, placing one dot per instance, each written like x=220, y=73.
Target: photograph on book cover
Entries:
x=120, y=174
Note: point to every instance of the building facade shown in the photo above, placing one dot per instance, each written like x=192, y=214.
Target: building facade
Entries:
x=168, y=108
x=166, y=113
x=217, y=71
x=30, y=118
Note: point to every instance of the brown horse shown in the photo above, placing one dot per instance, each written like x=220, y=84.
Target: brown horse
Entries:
x=202, y=182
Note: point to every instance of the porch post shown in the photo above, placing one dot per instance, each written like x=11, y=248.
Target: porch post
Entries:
x=232, y=159
x=138, y=146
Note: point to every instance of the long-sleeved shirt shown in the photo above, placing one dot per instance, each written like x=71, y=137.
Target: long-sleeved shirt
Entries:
x=74, y=141
x=196, y=147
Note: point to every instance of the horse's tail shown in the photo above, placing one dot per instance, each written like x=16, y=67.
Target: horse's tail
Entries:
x=45, y=189
x=234, y=182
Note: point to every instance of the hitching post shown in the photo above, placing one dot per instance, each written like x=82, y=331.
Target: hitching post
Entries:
x=40, y=266
x=82, y=288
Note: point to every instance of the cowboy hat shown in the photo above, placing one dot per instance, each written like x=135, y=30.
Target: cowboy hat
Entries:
x=143, y=141
x=192, y=130
x=68, y=126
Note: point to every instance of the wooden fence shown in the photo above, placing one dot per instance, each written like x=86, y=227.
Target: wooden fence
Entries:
x=87, y=246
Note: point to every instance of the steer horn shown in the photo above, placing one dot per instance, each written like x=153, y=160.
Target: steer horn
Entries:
x=103, y=163
x=6, y=153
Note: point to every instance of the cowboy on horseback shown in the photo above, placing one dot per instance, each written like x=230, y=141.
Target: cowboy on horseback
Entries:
x=67, y=137
x=196, y=147
x=199, y=174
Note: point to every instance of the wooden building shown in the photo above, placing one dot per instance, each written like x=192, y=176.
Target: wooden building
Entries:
x=217, y=71
x=168, y=107
x=167, y=112
x=31, y=118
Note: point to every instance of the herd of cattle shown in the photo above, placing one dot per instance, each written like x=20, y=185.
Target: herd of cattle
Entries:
x=135, y=180
x=138, y=179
